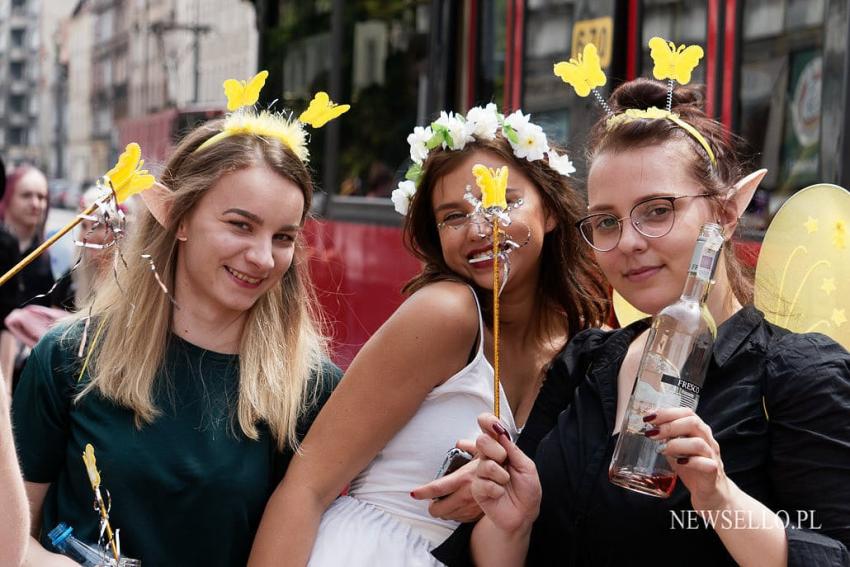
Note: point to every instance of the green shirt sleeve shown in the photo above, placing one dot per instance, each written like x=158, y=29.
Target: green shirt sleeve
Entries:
x=41, y=406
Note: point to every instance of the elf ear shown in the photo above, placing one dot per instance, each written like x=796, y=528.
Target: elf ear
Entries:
x=158, y=201
x=739, y=197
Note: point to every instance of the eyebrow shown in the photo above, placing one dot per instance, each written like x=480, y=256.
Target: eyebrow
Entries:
x=252, y=217
x=605, y=207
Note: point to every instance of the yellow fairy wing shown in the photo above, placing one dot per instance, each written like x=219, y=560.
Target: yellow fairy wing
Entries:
x=625, y=311
x=322, y=110
x=583, y=73
x=803, y=272
x=91, y=466
x=244, y=93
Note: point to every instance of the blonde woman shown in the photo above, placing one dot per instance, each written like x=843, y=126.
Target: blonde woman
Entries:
x=194, y=406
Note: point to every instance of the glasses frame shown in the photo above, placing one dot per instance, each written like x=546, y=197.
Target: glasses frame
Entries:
x=671, y=199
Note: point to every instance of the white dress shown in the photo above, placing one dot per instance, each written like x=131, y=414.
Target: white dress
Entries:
x=379, y=523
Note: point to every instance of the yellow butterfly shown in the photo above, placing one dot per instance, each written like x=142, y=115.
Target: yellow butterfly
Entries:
x=244, y=93
x=673, y=62
x=493, y=184
x=91, y=466
x=322, y=110
x=127, y=178
x=583, y=73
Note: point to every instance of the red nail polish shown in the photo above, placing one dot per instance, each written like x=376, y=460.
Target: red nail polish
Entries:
x=683, y=460
x=649, y=417
x=499, y=429
x=412, y=495
x=652, y=432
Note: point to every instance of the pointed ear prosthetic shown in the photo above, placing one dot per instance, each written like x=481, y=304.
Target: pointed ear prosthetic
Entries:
x=738, y=198
x=158, y=201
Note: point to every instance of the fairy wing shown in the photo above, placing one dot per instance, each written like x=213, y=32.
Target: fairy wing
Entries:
x=803, y=272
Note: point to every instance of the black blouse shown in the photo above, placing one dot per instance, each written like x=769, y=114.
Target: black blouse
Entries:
x=778, y=404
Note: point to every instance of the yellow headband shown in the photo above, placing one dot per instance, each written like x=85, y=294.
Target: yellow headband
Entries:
x=243, y=119
x=653, y=113
x=584, y=73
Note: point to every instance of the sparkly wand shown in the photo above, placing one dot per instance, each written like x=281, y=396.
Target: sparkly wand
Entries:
x=494, y=205
x=125, y=179
x=94, y=478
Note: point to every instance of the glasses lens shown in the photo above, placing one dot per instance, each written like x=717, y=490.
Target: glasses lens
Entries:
x=654, y=218
x=601, y=231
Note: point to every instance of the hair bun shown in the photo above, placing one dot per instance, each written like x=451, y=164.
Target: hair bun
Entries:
x=642, y=93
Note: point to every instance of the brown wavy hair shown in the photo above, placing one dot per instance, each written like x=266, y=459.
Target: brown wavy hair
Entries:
x=688, y=103
x=570, y=281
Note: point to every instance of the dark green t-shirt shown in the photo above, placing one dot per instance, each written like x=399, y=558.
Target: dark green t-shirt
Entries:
x=188, y=489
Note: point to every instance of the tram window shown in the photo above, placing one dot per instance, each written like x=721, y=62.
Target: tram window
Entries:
x=779, y=94
x=490, y=76
x=556, y=31
x=679, y=21
x=383, y=75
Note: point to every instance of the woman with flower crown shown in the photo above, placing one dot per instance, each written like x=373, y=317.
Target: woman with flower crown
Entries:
x=417, y=386
x=764, y=462
x=195, y=382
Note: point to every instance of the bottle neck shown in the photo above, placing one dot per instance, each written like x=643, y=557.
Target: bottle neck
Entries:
x=696, y=289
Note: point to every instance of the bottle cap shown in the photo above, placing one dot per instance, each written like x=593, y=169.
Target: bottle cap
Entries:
x=59, y=534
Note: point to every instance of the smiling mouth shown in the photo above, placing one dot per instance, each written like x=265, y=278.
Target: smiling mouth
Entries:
x=243, y=277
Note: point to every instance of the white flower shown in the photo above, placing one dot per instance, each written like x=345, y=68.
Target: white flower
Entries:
x=561, y=164
x=402, y=196
x=518, y=120
x=418, y=140
x=483, y=122
x=458, y=130
x=532, y=144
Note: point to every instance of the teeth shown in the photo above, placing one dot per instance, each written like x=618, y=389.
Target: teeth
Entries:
x=243, y=277
x=483, y=257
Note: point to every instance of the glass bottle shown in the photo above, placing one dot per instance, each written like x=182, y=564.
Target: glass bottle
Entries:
x=62, y=539
x=671, y=373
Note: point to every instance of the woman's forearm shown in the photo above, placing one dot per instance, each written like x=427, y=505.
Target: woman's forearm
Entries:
x=288, y=528
x=493, y=547
x=13, y=501
x=750, y=531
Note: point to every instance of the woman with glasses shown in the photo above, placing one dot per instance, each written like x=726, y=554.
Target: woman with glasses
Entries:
x=420, y=382
x=763, y=464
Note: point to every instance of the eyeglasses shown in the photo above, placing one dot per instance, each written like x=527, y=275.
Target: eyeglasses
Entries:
x=457, y=220
x=652, y=218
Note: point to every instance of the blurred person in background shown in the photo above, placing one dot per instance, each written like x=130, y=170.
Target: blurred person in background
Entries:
x=23, y=211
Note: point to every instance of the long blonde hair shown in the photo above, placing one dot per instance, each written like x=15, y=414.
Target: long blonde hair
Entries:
x=282, y=344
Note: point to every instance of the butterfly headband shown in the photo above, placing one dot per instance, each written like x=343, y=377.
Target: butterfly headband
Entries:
x=453, y=131
x=243, y=119
x=675, y=64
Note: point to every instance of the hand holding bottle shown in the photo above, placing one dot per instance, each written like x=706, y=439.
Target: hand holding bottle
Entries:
x=506, y=485
x=694, y=454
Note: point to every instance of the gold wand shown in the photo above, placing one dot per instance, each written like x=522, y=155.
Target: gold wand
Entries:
x=94, y=478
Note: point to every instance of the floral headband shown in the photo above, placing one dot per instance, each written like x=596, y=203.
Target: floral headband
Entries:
x=244, y=119
x=453, y=131
x=675, y=64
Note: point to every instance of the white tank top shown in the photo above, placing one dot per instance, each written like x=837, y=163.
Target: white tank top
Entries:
x=412, y=458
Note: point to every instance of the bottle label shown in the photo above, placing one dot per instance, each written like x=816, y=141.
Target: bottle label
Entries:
x=686, y=392
x=704, y=260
